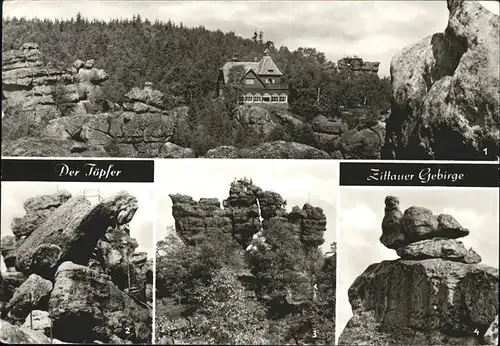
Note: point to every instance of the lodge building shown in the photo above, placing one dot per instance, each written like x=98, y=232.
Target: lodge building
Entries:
x=262, y=81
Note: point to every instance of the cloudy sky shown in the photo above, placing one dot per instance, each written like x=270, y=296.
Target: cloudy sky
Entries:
x=14, y=194
x=361, y=213
x=373, y=30
x=297, y=181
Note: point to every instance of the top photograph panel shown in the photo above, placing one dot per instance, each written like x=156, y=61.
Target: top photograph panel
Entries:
x=273, y=80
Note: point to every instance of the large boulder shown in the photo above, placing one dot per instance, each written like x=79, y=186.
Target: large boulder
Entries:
x=37, y=210
x=445, y=91
x=89, y=300
x=14, y=335
x=430, y=300
x=30, y=295
x=449, y=249
x=71, y=233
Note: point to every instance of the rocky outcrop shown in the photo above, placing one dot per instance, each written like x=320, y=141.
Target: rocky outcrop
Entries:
x=58, y=240
x=437, y=293
x=283, y=150
x=30, y=295
x=362, y=143
x=247, y=212
x=146, y=100
x=357, y=65
x=123, y=133
x=193, y=220
x=445, y=98
x=13, y=335
x=37, y=210
x=106, y=289
x=45, y=91
x=83, y=297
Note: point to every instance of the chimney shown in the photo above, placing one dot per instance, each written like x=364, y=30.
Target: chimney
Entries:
x=236, y=57
x=148, y=86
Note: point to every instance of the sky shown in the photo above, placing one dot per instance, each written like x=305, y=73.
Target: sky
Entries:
x=297, y=181
x=361, y=213
x=14, y=194
x=372, y=30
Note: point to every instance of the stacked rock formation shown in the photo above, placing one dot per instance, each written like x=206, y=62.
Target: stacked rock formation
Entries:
x=44, y=91
x=357, y=65
x=76, y=272
x=445, y=99
x=146, y=100
x=247, y=211
x=437, y=293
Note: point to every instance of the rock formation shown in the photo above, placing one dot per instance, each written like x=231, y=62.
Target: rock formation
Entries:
x=445, y=91
x=436, y=293
x=246, y=212
x=57, y=110
x=76, y=266
x=44, y=91
x=357, y=65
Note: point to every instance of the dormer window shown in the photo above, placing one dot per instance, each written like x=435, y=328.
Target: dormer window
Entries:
x=270, y=70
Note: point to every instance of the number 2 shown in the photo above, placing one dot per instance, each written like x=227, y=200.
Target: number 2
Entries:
x=127, y=330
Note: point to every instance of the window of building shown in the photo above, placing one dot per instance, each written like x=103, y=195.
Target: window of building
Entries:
x=270, y=81
x=282, y=98
x=241, y=99
x=249, y=81
x=270, y=70
x=257, y=98
x=275, y=98
x=248, y=98
x=266, y=98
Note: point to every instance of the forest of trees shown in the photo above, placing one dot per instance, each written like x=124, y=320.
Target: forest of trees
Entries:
x=184, y=62
x=200, y=286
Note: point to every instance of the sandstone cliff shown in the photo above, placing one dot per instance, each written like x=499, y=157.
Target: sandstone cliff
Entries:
x=57, y=110
x=73, y=273
x=437, y=293
x=445, y=91
x=247, y=211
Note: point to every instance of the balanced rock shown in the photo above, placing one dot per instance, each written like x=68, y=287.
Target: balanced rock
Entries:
x=393, y=235
x=449, y=249
x=58, y=240
x=146, y=100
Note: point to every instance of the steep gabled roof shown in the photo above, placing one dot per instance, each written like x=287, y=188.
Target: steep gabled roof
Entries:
x=247, y=65
x=265, y=66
